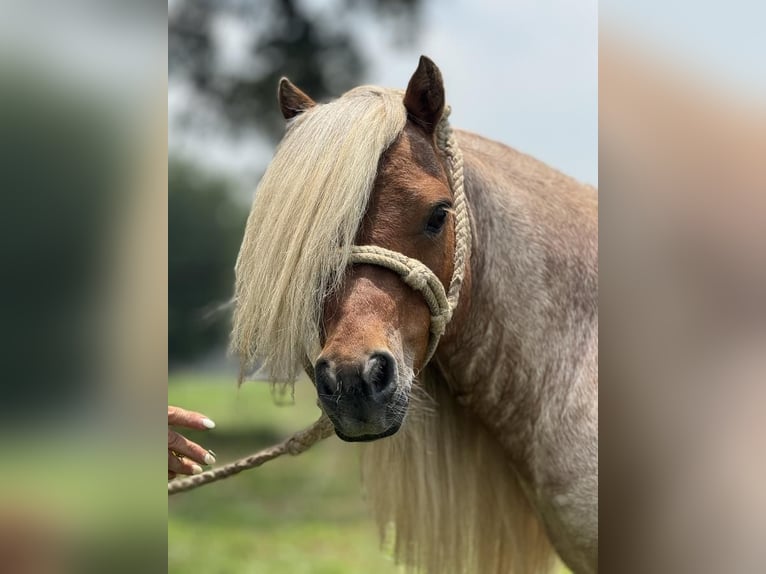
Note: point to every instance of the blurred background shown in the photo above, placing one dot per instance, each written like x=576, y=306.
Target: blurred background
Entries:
x=682, y=285
x=504, y=78
x=83, y=223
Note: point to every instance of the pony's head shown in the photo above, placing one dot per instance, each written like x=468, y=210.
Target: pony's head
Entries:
x=362, y=170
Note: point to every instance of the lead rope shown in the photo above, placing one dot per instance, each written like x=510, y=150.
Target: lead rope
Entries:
x=295, y=445
x=414, y=273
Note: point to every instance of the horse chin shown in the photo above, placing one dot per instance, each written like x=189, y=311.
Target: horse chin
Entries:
x=369, y=437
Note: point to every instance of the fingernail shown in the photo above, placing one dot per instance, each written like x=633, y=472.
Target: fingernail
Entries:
x=207, y=423
x=196, y=469
x=210, y=457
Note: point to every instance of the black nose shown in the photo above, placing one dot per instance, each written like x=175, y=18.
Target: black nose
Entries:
x=374, y=378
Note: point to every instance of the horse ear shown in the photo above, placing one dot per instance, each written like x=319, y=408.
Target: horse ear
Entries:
x=424, y=98
x=292, y=101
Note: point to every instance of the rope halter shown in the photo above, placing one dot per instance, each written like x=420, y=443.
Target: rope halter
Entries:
x=416, y=274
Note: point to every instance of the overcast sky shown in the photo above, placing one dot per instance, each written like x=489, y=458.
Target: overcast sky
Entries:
x=523, y=73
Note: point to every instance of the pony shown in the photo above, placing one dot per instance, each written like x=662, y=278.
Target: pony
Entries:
x=478, y=419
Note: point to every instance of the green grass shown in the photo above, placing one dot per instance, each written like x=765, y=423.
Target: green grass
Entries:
x=293, y=515
x=302, y=515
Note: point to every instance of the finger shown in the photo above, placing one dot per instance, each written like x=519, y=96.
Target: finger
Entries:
x=183, y=446
x=182, y=465
x=190, y=419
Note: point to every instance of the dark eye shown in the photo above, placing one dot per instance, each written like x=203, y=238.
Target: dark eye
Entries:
x=437, y=219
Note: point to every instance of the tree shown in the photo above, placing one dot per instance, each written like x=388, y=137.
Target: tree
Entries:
x=318, y=51
x=205, y=228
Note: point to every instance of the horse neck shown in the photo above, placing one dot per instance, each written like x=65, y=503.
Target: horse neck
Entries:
x=521, y=349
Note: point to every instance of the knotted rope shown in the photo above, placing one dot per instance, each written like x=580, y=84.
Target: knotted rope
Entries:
x=414, y=273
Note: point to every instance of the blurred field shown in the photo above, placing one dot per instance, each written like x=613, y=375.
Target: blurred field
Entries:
x=294, y=515
x=302, y=515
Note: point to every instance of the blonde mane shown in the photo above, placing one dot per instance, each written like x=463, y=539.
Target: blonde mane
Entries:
x=446, y=499
x=306, y=213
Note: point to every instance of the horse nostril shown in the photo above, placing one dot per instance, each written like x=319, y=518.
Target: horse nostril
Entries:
x=379, y=372
x=324, y=378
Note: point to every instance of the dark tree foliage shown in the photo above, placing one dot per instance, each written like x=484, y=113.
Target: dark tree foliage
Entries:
x=60, y=155
x=318, y=52
x=204, y=231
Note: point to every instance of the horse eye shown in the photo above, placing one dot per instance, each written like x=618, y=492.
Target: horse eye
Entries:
x=437, y=220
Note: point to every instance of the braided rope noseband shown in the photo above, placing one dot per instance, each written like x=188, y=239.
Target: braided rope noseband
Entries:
x=414, y=273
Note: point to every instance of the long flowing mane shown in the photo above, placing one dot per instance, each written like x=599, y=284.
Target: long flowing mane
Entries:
x=446, y=499
x=306, y=213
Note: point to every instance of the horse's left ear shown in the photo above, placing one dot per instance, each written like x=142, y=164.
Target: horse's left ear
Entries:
x=424, y=98
x=292, y=101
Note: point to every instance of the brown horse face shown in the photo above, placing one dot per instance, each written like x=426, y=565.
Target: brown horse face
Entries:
x=376, y=328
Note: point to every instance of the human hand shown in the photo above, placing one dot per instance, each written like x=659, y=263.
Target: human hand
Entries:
x=185, y=456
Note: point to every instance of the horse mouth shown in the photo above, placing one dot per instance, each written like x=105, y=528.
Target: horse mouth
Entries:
x=368, y=437
x=364, y=421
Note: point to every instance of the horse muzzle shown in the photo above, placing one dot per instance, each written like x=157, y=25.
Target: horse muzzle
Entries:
x=360, y=397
